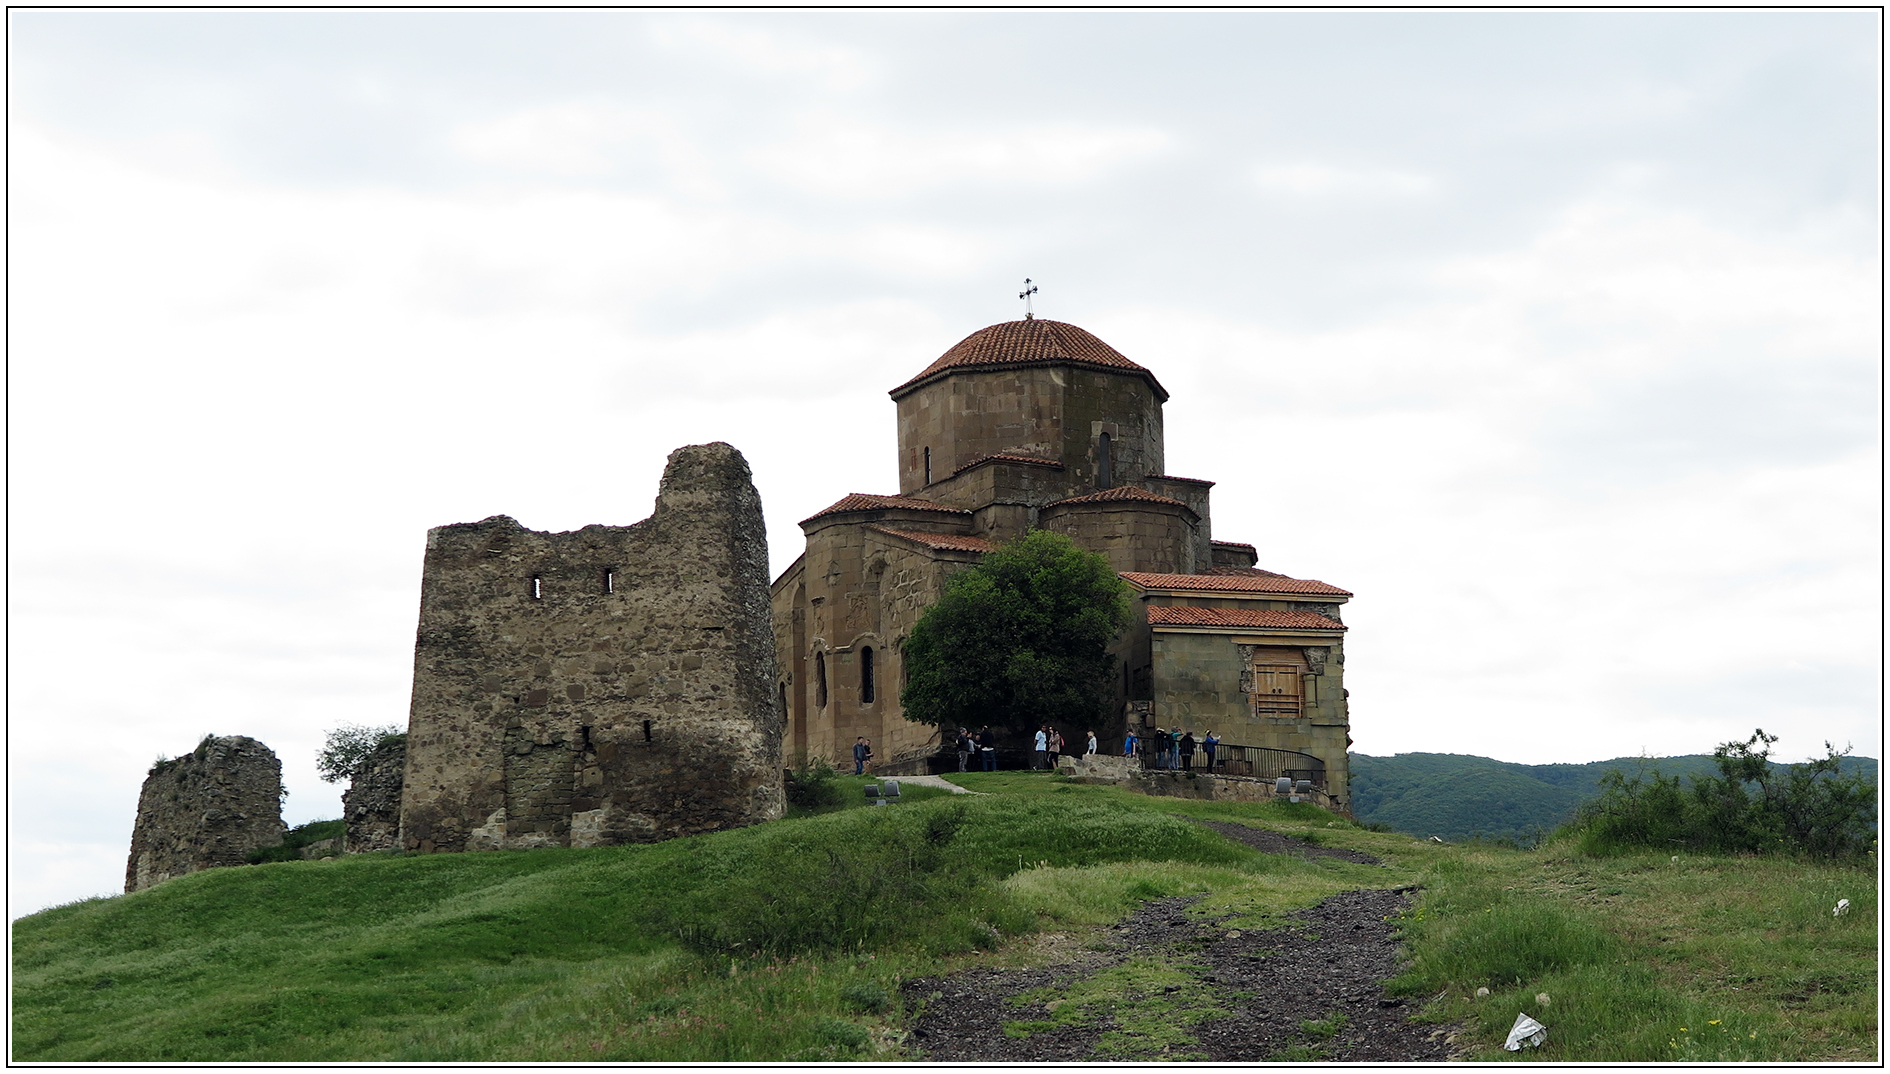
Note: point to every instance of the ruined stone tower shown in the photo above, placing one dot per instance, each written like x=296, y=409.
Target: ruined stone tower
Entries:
x=614, y=684
x=208, y=808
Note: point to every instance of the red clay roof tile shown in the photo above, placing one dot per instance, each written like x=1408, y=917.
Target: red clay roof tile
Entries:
x=1294, y=619
x=866, y=501
x=1001, y=457
x=1243, y=572
x=1120, y=492
x=1032, y=342
x=1239, y=581
x=1185, y=480
x=954, y=542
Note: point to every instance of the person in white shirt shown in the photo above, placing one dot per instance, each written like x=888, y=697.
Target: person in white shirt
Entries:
x=1040, y=750
x=1091, y=751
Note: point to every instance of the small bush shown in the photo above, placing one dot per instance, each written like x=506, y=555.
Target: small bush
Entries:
x=293, y=840
x=1752, y=807
x=814, y=784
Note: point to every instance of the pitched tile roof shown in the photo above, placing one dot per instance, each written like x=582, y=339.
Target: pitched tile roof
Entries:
x=952, y=542
x=1242, y=572
x=1031, y=342
x=1185, y=480
x=1120, y=492
x=1001, y=457
x=866, y=501
x=1294, y=619
x=1235, y=544
x=1238, y=581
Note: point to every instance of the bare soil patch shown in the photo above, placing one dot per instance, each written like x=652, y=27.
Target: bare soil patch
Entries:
x=1333, y=960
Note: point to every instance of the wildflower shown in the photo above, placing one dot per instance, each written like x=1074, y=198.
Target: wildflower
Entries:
x=1713, y=1022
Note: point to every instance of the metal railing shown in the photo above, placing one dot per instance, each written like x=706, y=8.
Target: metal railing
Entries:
x=1232, y=759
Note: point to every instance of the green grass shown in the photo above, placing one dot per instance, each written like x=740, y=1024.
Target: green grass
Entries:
x=789, y=941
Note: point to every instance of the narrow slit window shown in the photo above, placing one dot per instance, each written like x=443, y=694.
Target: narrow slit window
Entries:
x=647, y=737
x=866, y=675
x=928, y=466
x=1105, y=478
x=820, y=680
x=538, y=587
x=610, y=579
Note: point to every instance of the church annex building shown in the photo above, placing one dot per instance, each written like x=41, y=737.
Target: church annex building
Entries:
x=1037, y=424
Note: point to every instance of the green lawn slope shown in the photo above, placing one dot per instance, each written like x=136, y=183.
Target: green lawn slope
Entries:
x=788, y=941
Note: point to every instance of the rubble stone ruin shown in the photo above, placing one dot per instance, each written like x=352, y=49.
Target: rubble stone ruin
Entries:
x=208, y=808
x=614, y=684
x=370, y=807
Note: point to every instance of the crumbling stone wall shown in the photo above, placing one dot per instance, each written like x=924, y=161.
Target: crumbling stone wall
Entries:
x=370, y=807
x=208, y=808
x=615, y=684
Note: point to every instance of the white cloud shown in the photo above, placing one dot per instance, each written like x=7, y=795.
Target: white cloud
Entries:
x=841, y=157
x=750, y=50
x=1307, y=179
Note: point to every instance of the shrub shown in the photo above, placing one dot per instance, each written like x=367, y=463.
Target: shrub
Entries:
x=293, y=840
x=1751, y=806
x=814, y=784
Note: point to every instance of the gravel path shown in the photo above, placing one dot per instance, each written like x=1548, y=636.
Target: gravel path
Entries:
x=1333, y=959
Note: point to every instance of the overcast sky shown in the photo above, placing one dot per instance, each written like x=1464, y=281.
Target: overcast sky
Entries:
x=1552, y=335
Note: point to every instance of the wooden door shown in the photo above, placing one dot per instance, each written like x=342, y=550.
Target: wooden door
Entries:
x=1276, y=690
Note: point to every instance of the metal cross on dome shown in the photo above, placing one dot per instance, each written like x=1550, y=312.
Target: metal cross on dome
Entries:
x=1029, y=289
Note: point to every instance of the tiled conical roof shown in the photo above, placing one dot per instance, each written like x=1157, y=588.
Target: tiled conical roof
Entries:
x=1029, y=342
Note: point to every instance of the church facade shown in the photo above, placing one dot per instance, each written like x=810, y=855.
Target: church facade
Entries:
x=1037, y=424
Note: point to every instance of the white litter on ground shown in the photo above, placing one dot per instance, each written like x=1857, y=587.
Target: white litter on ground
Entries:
x=1526, y=1031
x=1843, y=907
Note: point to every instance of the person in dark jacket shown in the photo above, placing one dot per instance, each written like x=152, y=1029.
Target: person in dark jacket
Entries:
x=862, y=755
x=1187, y=751
x=987, y=748
x=966, y=747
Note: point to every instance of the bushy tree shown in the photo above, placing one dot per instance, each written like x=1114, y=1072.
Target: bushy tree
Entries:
x=349, y=745
x=1752, y=806
x=1019, y=640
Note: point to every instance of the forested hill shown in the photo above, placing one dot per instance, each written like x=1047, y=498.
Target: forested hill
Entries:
x=1456, y=796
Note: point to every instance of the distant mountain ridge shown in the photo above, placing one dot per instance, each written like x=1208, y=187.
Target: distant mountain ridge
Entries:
x=1458, y=796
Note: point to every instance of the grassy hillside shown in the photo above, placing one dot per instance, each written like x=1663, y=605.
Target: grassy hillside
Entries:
x=1456, y=796
x=788, y=941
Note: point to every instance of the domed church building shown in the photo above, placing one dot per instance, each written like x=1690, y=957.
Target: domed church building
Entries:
x=1037, y=424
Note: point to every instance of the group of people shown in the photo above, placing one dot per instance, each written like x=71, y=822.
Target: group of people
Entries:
x=1172, y=748
x=983, y=745
x=1048, y=746
x=1165, y=748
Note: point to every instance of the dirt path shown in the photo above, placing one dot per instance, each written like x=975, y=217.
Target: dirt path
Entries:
x=1141, y=989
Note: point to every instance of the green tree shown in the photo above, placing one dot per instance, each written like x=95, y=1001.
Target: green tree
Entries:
x=349, y=745
x=1019, y=640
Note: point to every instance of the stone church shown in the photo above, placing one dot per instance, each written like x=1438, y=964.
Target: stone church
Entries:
x=1037, y=424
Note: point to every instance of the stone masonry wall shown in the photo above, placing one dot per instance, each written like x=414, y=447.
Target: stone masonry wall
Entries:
x=370, y=807
x=615, y=684
x=1202, y=678
x=208, y=808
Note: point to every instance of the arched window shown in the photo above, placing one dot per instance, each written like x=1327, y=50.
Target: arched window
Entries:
x=866, y=675
x=820, y=680
x=1105, y=478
